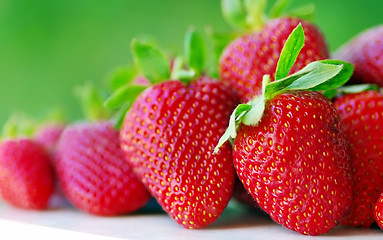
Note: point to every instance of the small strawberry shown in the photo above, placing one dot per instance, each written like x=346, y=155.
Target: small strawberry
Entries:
x=362, y=116
x=290, y=151
x=248, y=57
x=170, y=131
x=26, y=175
x=378, y=211
x=92, y=172
x=365, y=52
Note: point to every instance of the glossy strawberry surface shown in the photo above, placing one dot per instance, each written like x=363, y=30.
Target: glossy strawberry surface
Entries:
x=365, y=52
x=244, y=61
x=362, y=115
x=26, y=176
x=295, y=162
x=169, y=135
x=93, y=173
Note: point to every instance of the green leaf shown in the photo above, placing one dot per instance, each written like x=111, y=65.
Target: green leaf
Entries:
x=235, y=119
x=290, y=52
x=350, y=89
x=314, y=79
x=194, y=51
x=151, y=62
x=316, y=76
x=123, y=95
x=255, y=13
x=278, y=7
x=121, y=76
x=306, y=12
x=234, y=13
x=343, y=76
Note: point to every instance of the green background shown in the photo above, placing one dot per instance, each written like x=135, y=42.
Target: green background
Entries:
x=49, y=46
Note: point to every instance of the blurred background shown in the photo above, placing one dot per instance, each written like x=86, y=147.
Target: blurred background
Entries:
x=49, y=46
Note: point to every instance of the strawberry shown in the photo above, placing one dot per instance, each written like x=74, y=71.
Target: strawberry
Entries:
x=92, y=172
x=290, y=151
x=170, y=130
x=378, y=211
x=168, y=136
x=365, y=51
x=26, y=176
x=253, y=54
x=362, y=116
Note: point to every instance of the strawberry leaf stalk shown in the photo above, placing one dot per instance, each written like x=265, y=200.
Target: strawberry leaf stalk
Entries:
x=169, y=133
x=290, y=151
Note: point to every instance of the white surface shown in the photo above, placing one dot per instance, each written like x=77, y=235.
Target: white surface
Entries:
x=68, y=223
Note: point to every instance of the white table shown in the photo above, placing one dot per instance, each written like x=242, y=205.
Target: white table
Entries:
x=234, y=223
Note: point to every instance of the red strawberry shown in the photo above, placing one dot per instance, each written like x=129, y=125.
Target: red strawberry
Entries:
x=295, y=162
x=365, y=51
x=363, y=119
x=93, y=173
x=168, y=136
x=290, y=151
x=244, y=61
x=26, y=176
x=378, y=211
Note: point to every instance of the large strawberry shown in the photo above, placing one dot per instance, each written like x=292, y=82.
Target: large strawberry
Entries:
x=26, y=175
x=250, y=56
x=92, y=172
x=290, y=151
x=362, y=116
x=169, y=133
x=365, y=51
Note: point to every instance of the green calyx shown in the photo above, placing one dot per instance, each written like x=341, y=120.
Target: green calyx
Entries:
x=250, y=15
x=18, y=125
x=152, y=63
x=322, y=75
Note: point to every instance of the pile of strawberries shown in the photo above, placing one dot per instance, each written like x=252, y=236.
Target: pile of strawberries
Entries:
x=276, y=122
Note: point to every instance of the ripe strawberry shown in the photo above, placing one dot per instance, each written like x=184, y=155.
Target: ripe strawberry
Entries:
x=302, y=182
x=93, y=173
x=245, y=60
x=378, y=211
x=365, y=51
x=168, y=137
x=362, y=116
x=290, y=151
x=26, y=176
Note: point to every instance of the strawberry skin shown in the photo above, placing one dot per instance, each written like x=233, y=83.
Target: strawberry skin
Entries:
x=169, y=135
x=363, y=119
x=93, y=173
x=295, y=162
x=26, y=176
x=365, y=52
x=378, y=211
x=244, y=61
